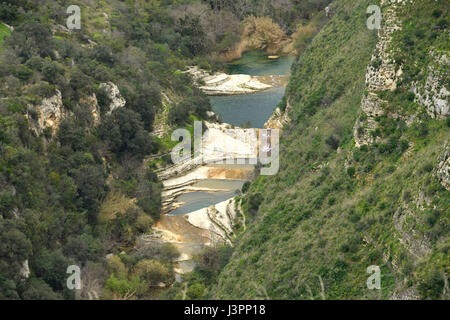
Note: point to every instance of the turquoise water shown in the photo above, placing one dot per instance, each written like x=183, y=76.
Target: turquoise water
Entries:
x=254, y=109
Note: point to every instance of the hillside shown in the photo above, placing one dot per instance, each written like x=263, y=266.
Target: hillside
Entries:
x=85, y=121
x=364, y=167
x=86, y=179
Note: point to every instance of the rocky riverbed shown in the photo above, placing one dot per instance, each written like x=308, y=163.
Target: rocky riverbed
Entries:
x=214, y=178
x=220, y=83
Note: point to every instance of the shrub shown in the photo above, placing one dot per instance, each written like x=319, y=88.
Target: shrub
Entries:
x=246, y=186
x=152, y=271
x=432, y=286
x=195, y=291
x=333, y=142
x=351, y=171
x=23, y=72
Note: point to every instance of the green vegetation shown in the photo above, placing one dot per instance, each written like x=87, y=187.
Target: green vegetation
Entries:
x=334, y=209
x=4, y=32
x=79, y=186
x=72, y=192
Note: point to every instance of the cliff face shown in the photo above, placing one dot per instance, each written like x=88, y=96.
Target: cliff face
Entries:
x=382, y=74
x=48, y=114
x=433, y=94
x=443, y=168
x=51, y=111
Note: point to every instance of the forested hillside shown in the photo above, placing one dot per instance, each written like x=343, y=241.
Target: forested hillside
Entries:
x=364, y=166
x=85, y=123
x=85, y=117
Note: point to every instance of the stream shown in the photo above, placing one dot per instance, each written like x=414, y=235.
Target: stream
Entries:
x=201, y=209
x=255, y=109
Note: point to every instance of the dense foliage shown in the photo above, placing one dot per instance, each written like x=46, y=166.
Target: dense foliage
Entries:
x=334, y=209
x=74, y=191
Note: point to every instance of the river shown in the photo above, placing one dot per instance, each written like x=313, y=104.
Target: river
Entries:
x=202, y=208
x=253, y=109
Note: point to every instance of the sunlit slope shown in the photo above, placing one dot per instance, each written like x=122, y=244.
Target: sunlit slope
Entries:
x=333, y=210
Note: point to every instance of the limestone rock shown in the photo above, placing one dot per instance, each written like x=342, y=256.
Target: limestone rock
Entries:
x=92, y=104
x=279, y=118
x=434, y=95
x=117, y=101
x=382, y=74
x=48, y=114
x=443, y=170
x=224, y=84
x=25, y=271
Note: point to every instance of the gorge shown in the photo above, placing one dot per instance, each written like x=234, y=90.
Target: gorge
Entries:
x=198, y=204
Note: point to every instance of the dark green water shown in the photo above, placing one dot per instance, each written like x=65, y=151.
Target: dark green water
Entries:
x=256, y=63
x=254, y=108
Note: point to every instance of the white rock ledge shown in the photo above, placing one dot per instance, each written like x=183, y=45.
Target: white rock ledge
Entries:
x=226, y=84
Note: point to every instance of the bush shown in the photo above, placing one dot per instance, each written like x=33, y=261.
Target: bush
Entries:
x=195, y=291
x=51, y=70
x=351, y=171
x=23, y=72
x=153, y=272
x=333, y=142
x=116, y=267
x=432, y=286
x=245, y=187
x=255, y=201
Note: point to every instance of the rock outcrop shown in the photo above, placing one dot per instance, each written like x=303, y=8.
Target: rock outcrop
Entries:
x=443, y=169
x=25, y=270
x=117, y=101
x=50, y=112
x=433, y=94
x=279, y=118
x=47, y=115
x=91, y=103
x=382, y=74
x=224, y=84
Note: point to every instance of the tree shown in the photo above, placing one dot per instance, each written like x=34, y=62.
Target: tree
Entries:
x=37, y=289
x=15, y=248
x=51, y=266
x=91, y=184
x=125, y=135
x=179, y=113
x=31, y=38
x=193, y=35
x=79, y=81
